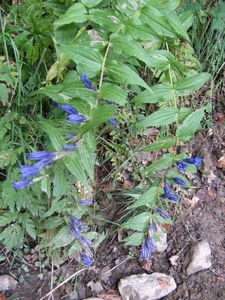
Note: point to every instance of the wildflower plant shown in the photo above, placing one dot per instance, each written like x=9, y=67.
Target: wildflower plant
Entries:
x=112, y=59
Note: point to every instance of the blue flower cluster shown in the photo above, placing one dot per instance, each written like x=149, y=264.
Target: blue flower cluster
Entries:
x=44, y=158
x=148, y=245
x=76, y=228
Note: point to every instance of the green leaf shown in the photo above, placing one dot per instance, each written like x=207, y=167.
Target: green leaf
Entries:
x=73, y=164
x=186, y=19
x=85, y=57
x=30, y=228
x=99, y=115
x=161, y=59
x=87, y=158
x=160, y=93
x=12, y=237
x=165, y=4
x=91, y=3
x=62, y=238
x=163, y=143
x=176, y=24
x=191, y=84
x=110, y=21
x=55, y=136
x=135, y=239
x=187, y=129
x=147, y=199
x=114, y=93
x=59, y=181
x=123, y=74
x=139, y=222
x=157, y=22
x=161, y=117
x=4, y=93
x=135, y=29
x=7, y=218
x=77, y=13
x=163, y=163
x=121, y=43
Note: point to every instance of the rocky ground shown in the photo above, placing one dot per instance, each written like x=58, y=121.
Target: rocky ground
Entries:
x=200, y=216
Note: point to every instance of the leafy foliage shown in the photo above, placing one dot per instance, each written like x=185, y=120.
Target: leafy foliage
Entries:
x=129, y=52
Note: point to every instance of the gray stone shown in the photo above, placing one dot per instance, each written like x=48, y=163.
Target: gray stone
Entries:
x=146, y=286
x=7, y=283
x=197, y=258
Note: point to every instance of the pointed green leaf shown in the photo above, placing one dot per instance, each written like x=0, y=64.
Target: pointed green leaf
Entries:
x=156, y=21
x=62, y=238
x=163, y=143
x=121, y=43
x=73, y=164
x=110, y=21
x=160, y=93
x=114, y=93
x=135, y=239
x=55, y=136
x=99, y=115
x=148, y=198
x=91, y=3
x=139, y=222
x=187, y=129
x=165, y=4
x=176, y=24
x=173, y=174
x=123, y=74
x=85, y=57
x=161, y=59
x=161, y=117
x=163, y=163
x=77, y=13
x=191, y=84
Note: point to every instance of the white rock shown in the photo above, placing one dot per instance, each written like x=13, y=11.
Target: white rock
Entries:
x=197, y=258
x=7, y=283
x=146, y=286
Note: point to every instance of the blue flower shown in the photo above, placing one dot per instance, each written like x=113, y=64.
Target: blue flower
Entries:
x=84, y=202
x=193, y=160
x=86, y=259
x=40, y=155
x=162, y=213
x=113, y=122
x=69, y=147
x=27, y=171
x=69, y=109
x=168, y=194
x=76, y=118
x=181, y=166
x=22, y=184
x=146, y=248
x=179, y=181
x=87, y=82
x=167, y=188
x=76, y=228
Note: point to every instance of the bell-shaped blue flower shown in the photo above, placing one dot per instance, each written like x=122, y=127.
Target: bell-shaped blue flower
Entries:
x=22, y=184
x=40, y=155
x=147, y=247
x=181, y=166
x=179, y=181
x=76, y=118
x=193, y=160
x=86, y=259
x=87, y=82
x=162, y=213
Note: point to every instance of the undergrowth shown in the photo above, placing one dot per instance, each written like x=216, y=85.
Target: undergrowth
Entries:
x=97, y=81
